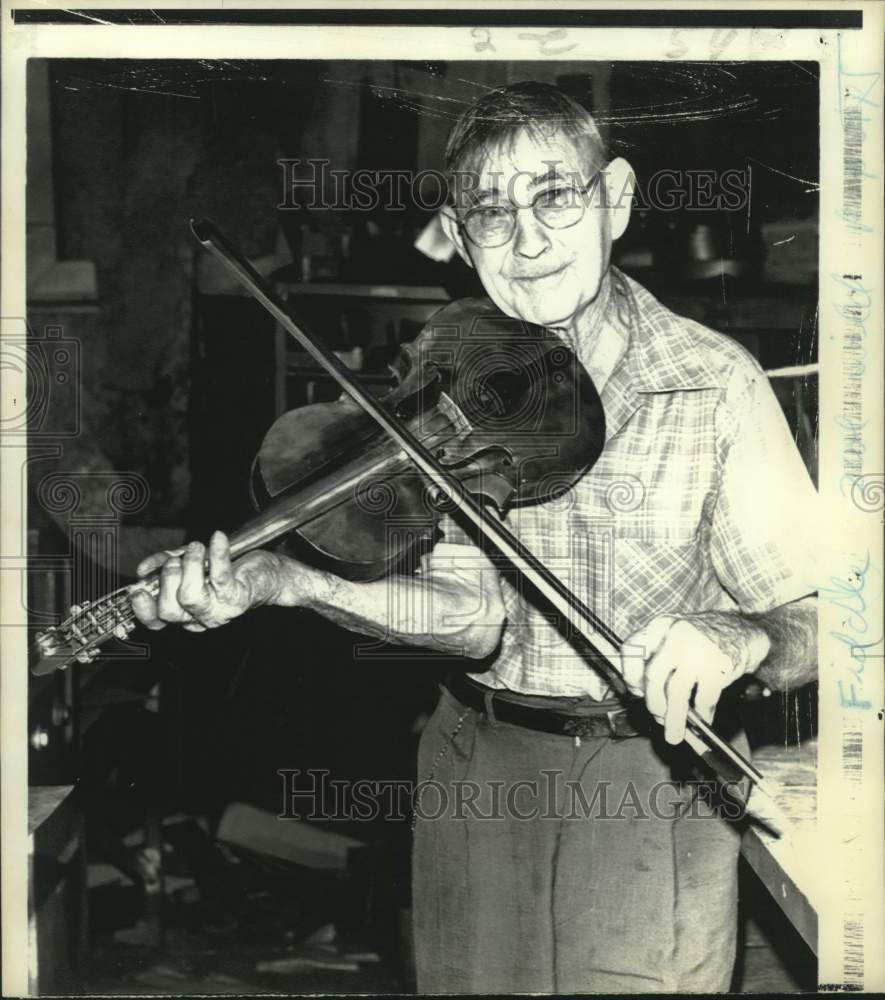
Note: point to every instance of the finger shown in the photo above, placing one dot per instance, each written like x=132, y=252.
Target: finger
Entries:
x=151, y=563
x=220, y=571
x=696, y=743
x=194, y=627
x=706, y=697
x=657, y=674
x=651, y=636
x=155, y=561
x=168, y=607
x=678, y=690
x=193, y=594
x=145, y=610
x=638, y=649
x=633, y=668
x=669, y=682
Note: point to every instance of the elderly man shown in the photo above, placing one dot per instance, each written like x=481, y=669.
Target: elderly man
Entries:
x=576, y=859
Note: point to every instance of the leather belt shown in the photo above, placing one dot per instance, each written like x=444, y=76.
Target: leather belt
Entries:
x=618, y=723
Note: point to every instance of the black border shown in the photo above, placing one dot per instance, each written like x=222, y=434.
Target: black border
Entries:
x=745, y=17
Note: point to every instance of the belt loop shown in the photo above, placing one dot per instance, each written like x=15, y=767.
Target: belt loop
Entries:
x=488, y=699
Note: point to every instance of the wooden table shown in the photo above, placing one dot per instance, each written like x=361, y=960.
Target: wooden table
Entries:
x=57, y=926
x=787, y=865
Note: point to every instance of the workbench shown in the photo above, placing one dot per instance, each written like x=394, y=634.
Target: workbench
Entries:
x=57, y=922
x=788, y=865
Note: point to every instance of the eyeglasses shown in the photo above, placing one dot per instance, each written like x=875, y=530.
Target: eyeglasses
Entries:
x=559, y=207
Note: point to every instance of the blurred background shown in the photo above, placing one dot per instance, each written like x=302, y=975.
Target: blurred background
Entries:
x=164, y=376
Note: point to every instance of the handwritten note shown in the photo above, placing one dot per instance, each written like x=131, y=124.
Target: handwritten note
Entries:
x=853, y=595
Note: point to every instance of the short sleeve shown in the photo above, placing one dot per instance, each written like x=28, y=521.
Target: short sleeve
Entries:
x=764, y=523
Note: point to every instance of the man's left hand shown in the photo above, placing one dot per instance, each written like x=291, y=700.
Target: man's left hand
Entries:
x=677, y=662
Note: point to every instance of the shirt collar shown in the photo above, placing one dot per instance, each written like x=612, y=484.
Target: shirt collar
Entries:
x=602, y=343
x=637, y=346
x=633, y=331
x=652, y=352
x=662, y=355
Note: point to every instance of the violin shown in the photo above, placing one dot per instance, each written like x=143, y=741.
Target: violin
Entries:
x=486, y=414
x=503, y=405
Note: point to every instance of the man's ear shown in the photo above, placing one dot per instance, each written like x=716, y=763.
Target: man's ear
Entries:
x=450, y=228
x=620, y=182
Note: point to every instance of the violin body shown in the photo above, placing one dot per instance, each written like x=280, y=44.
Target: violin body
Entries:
x=503, y=404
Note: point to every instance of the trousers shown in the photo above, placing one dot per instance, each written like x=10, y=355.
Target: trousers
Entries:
x=548, y=864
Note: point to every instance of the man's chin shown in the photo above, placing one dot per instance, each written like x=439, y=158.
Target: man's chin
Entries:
x=537, y=314
x=541, y=313
x=542, y=318
x=551, y=313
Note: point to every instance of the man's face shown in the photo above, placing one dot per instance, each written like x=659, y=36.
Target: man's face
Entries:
x=543, y=275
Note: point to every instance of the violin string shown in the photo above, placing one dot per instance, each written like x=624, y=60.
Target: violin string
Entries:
x=102, y=627
x=101, y=616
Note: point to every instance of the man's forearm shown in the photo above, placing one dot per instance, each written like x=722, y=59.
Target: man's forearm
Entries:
x=778, y=646
x=792, y=632
x=432, y=610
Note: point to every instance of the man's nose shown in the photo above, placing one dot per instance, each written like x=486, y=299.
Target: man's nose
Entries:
x=530, y=238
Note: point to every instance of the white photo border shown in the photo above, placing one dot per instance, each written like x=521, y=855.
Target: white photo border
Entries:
x=852, y=685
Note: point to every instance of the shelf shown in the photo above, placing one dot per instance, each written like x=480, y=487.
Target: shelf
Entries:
x=406, y=293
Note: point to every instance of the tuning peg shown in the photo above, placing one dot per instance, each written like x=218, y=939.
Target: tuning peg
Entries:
x=45, y=642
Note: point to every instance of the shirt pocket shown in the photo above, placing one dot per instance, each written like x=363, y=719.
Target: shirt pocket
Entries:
x=661, y=518
x=676, y=511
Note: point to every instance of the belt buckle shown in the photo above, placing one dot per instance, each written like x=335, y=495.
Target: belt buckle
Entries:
x=579, y=727
x=612, y=716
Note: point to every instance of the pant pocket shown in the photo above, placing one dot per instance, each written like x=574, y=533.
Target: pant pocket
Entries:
x=446, y=743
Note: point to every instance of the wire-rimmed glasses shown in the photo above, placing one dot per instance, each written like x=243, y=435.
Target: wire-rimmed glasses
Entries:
x=558, y=207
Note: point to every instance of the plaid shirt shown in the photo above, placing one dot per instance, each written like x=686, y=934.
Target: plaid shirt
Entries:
x=699, y=500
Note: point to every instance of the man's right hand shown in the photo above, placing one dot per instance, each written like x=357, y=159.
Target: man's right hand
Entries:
x=202, y=589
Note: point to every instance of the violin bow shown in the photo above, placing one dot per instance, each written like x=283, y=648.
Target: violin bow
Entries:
x=605, y=645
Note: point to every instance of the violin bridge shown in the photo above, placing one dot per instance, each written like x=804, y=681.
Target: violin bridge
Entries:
x=455, y=414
